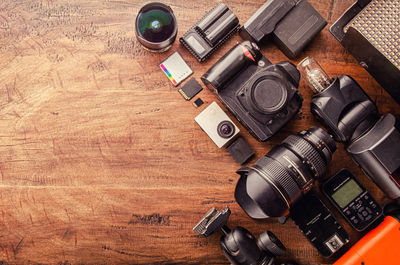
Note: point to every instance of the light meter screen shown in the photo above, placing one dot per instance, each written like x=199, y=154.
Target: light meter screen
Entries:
x=347, y=193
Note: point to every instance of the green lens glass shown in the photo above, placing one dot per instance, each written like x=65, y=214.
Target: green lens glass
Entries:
x=156, y=25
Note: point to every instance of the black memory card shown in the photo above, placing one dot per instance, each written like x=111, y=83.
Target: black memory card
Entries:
x=198, y=102
x=190, y=89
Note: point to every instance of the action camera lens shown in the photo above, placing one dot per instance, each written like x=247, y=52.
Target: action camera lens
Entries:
x=275, y=181
x=156, y=26
x=226, y=129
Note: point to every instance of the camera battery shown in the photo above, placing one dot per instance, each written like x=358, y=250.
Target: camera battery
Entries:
x=218, y=25
x=298, y=28
x=292, y=24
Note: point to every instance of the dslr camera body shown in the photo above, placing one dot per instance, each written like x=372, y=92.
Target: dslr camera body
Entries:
x=263, y=96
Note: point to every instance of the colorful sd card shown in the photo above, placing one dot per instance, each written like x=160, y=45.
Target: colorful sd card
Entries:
x=175, y=68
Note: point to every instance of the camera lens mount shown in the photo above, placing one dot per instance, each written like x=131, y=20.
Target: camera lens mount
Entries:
x=269, y=95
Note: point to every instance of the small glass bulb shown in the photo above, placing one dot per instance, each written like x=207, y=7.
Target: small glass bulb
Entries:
x=316, y=77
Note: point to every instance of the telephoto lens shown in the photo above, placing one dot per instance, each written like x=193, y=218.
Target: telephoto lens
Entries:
x=156, y=27
x=283, y=175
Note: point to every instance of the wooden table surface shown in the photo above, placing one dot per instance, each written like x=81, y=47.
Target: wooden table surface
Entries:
x=101, y=161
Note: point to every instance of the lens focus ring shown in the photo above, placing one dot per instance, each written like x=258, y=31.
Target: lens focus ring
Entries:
x=279, y=175
x=307, y=152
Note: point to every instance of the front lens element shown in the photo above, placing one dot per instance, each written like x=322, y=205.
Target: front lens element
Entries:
x=156, y=26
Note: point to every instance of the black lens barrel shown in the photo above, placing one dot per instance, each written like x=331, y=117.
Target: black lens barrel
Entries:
x=275, y=181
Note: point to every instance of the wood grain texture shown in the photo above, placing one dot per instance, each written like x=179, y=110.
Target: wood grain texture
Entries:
x=101, y=161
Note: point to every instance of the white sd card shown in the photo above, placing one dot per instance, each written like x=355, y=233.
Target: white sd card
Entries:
x=175, y=68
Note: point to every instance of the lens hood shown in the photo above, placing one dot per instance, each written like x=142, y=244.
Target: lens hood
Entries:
x=284, y=174
x=258, y=197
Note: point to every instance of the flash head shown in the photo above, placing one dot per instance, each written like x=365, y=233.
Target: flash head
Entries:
x=352, y=118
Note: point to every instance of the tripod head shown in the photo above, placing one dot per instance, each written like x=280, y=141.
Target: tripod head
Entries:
x=239, y=245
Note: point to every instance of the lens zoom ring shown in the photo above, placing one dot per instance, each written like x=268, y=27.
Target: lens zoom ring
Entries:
x=280, y=176
x=307, y=151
